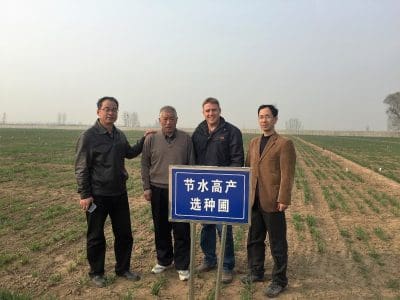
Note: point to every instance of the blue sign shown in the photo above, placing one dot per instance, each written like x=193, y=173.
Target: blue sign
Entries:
x=209, y=194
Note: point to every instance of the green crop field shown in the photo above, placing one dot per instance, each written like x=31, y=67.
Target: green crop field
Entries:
x=380, y=154
x=343, y=225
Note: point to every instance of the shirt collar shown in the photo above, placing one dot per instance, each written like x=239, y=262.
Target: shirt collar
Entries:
x=101, y=129
x=171, y=137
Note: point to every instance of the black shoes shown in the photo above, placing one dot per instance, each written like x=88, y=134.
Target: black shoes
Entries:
x=227, y=277
x=99, y=280
x=130, y=275
x=250, y=278
x=273, y=290
x=205, y=268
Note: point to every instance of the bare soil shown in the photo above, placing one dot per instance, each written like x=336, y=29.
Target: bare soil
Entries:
x=335, y=273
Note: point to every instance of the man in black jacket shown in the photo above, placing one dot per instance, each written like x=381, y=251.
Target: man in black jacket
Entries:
x=101, y=176
x=217, y=143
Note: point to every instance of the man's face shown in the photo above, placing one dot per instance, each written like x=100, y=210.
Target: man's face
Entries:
x=211, y=113
x=266, y=120
x=108, y=113
x=168, y=122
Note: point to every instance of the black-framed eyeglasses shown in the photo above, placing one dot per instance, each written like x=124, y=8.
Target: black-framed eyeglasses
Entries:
x=108, y=110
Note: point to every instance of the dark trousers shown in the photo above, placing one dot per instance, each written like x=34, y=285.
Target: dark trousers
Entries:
x=275, y=225
x=117, y=207
x=166, y=253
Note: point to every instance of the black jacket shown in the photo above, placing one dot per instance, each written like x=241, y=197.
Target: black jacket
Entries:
x=100, y=161
x=223, y=147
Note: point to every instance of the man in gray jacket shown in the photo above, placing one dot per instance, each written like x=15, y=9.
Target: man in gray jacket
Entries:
x=169, y=146
x=101, y=176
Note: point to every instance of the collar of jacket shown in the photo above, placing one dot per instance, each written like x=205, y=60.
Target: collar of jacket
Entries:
x=204, y=127
x=271, y=135
x=100, y=128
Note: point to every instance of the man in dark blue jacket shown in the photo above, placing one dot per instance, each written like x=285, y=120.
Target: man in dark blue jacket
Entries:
x=217, y=143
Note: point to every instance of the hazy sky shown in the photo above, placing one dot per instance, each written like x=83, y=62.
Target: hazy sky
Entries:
x=328, y=63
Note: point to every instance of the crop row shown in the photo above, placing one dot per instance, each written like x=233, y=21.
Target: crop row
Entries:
x=360, y=211
x=376, y=153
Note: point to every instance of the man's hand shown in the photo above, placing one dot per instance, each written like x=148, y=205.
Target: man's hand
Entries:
x=147, y=195
x=282, y=207
x=85, y=203
x=149, y=131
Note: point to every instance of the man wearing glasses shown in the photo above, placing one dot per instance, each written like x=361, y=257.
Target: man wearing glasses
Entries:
x=272, y=158
x=101, y=176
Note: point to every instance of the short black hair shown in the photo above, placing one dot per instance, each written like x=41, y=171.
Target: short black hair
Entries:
x=102, y=99
x=272, y=108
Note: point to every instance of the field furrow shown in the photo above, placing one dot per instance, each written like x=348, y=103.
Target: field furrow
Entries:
x=343, y=225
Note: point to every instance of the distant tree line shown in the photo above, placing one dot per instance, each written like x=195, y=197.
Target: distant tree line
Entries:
x=130, y=119
x=393, y=115
x=393, y=111
x=61, y=118
x=294, y=124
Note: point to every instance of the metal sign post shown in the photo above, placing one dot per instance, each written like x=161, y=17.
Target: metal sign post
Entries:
x=192, y=256
x=220, y=261
x=214, y=195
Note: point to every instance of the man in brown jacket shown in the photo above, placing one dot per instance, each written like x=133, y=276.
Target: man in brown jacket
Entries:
x=272, y=159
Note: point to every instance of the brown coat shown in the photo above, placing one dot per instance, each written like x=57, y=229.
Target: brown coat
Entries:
x=273, y=171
